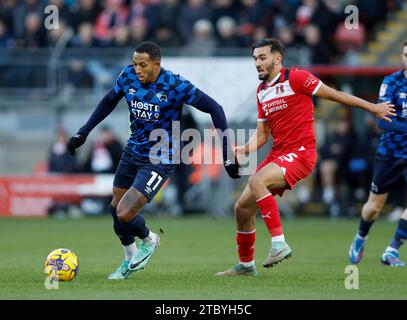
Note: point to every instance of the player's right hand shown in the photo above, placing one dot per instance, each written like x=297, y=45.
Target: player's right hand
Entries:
x=384, y=110
x=240, y=152
x=75, y=142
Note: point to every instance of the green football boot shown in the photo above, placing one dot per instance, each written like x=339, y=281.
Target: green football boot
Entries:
x=143, y=254
x=121, y=273
x=239, y=270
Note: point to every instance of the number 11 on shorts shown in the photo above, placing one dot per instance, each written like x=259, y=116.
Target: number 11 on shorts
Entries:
x=154, y=176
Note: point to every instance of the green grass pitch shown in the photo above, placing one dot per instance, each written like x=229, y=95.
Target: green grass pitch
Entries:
x=192, y=250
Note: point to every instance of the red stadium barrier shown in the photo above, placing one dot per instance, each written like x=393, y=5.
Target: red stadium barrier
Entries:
x=33, y=195
x=338, y=70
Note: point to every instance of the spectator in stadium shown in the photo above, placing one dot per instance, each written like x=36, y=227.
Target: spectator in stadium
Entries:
x=295, y=53
x=138, y=30
x=114, y=14
x=192, y=11
x=286, y=112
x=85, y=37
x=34, y=35
x=318, y=51
x=227, y=30
x=250, y=15
x=6, y=40
x=316, y=12
x=89, y=73
x=166, y=37
x=60, y=161
x=203, y=42
x=144, y=167
x=78, y=76
x=64, y=14
x=260, y=32
x=84, y=11
x=105, y=153
x=61, y=36
x=103, y=158
x=223, y=8
x=183, y=171
x=148, y=10
x=121, y=38
x=334, y=164
x=361, y=164
x=7, y=9
x=168, y=12
x=22, y=11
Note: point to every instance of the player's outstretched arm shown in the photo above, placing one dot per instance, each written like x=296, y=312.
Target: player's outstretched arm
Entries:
x=103, y=109
x=381, y=110
x=256, y=141
x=208, y=105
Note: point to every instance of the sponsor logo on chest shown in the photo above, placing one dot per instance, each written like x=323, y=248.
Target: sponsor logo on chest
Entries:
x=274, y=98
x=145, y=111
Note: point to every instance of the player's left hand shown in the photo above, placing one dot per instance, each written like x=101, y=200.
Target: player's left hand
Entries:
x=75, y=142
x=384, y=110
x=232, y=168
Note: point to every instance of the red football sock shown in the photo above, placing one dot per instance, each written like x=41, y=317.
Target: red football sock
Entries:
x=269, y=213
x=245, y=245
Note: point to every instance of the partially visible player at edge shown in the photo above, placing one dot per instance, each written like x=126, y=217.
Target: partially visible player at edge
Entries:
x=390, y=167
x=285, y=110
x=155, y=98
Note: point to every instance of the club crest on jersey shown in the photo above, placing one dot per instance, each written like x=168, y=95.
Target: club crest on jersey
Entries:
x=383, y=89
x=279, y=89
x=402, y=95
x=161, y=97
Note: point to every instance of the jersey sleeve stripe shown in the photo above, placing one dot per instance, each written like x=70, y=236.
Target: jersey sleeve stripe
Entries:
x=317, y=87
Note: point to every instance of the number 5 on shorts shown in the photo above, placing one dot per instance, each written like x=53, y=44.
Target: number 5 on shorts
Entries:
x=288, y=157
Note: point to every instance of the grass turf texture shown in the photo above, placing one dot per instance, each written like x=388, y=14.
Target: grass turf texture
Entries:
x=192, y=250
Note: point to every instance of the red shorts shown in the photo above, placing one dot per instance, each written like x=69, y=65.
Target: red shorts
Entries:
x=296, y=165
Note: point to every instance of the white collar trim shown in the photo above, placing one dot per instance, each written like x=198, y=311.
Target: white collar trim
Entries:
x=274, y=80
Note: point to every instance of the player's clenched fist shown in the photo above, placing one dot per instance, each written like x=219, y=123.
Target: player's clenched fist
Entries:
x=75, y=142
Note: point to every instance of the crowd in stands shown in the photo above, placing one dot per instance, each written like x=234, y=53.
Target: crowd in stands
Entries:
x=199, y=27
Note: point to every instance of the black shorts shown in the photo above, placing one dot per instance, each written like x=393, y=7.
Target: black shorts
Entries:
x=140, y=173
x=387, y=172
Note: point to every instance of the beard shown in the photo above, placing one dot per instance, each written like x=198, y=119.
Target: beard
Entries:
x=269, y=70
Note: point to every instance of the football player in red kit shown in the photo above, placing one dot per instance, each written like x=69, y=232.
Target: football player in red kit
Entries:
x=286, y=112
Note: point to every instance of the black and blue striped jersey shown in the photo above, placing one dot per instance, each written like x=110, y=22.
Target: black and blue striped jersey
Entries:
x=394, y=89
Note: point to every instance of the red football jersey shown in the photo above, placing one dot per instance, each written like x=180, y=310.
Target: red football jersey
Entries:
x=286, y=103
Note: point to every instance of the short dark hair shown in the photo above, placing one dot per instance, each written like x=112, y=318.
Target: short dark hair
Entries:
x=274, y=44
x=404, y=43
x=151, y=49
